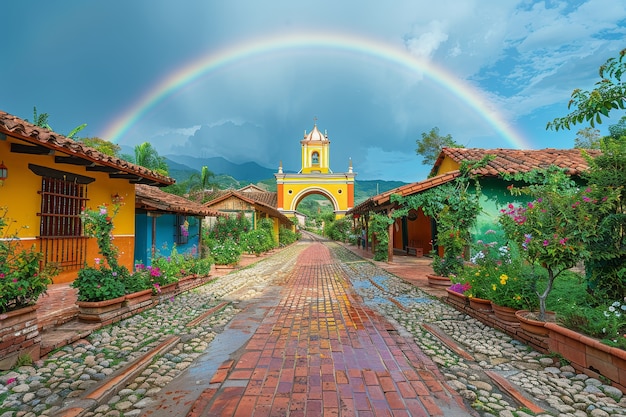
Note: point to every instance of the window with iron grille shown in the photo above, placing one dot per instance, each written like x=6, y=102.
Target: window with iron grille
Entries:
x=182, y=230
x=61, y=232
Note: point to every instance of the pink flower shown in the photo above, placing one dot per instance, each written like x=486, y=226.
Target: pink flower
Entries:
x=97, y=260
x=546, y=243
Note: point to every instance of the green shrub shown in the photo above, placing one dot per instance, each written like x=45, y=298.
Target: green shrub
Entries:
x=226, y=252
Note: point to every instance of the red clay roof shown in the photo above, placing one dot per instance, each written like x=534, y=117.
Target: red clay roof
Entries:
x=20, y=129
x=252, y=198
x=404, y=190
x=153, y=198
x=517, y=161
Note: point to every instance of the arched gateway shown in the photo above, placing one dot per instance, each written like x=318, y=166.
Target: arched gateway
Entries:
x=315, y=177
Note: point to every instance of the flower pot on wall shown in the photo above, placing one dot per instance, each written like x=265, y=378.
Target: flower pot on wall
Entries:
x=587, y=354
x=506, y=314
x=99, y=311
x=530, y=323
x=480, y=304
x=457, y=297
x=137, y=297
x=438, y=281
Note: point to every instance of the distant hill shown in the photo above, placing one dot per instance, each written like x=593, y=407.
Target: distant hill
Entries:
x=369, y=188
x=248, y=171
x=231, y=175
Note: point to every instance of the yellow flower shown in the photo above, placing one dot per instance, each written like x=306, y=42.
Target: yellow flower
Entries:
x=503, y=279
x=494, y=287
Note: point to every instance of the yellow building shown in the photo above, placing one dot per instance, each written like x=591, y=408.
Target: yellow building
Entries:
x=47, y=180
x=315, y=177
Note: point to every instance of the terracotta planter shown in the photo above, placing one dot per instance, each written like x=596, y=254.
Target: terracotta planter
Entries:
x=506, y=314
x=457, y=297
x=19, y=334
x=480, y=304
x=99, y=310
x=137, y=297
x=437, y=281
x=168, y=289
x=532, y=325
x=588, y=354
x=230, y=266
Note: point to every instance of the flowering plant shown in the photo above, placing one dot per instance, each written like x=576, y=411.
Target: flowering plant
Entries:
x=514, y=287
x=152, y=277
x=22, y=279
x=553, y=230
x=461, y=288
x=105, y=280
x=100, y=283
x=615, y=322
x=226, y=252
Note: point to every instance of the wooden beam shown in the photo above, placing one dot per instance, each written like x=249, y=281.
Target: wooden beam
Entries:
x=72, y=160
x=30, y=149
x=54, y=173
x=102, y=168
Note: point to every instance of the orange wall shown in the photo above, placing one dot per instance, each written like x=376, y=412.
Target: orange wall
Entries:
x=419, y=232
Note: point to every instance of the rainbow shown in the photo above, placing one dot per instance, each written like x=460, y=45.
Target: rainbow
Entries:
x=214, y=60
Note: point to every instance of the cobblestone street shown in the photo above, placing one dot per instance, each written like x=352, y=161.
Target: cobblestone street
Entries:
x=321, y=352
x=314, y=329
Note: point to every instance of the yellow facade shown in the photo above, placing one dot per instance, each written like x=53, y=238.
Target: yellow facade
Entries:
x=315, y=177
x=20, y=194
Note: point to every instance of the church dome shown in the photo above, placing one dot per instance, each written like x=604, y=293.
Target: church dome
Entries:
x=315, y=135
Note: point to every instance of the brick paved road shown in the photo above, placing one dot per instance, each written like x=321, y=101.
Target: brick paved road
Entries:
x=320, y=352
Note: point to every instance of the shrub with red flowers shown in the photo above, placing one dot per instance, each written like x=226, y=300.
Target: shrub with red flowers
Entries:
x=22, y=278
x=553, y=231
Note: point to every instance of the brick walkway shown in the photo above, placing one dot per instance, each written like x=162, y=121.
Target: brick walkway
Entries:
x=320, y=352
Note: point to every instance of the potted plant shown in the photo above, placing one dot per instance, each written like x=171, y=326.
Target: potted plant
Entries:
x=552, y=231
x=101, y=287
x=513, y=289
x=22, y=281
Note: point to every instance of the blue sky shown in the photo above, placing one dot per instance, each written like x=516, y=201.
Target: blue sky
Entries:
x=374, y=74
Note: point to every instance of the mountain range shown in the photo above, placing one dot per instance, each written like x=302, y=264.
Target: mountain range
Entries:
x=232, y=175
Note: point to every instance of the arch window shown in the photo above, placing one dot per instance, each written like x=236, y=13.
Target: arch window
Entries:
x=315, y=158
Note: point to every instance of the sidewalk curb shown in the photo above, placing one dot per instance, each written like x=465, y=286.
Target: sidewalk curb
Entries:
x=117, y=382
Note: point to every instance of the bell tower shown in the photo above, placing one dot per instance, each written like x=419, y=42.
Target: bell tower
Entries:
x=315, y=152
x=315, y=177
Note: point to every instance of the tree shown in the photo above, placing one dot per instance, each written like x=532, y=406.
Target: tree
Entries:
x=104, y=146
x=609, y=94
x=431, y=145
x=148, y=157
x=618, y=130
x=41, y=120
x=587, y=138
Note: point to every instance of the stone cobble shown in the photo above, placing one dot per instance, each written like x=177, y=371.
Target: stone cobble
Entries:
x=555, y=387
x=65, y=376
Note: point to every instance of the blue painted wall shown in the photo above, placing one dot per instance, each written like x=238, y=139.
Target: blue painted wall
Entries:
x=166, y=228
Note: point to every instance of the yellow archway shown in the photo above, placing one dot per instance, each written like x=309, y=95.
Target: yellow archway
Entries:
x=315, y=177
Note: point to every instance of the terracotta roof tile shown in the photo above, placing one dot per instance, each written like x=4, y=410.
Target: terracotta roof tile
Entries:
x=517, y=161
x=154, y=198
x=23, y=130
x=404, y=190
x=264, y=200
